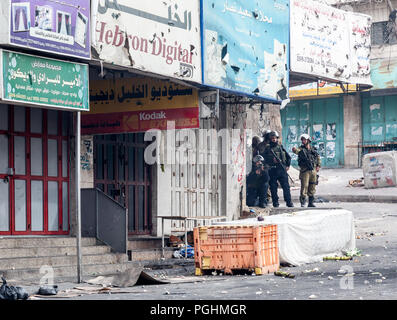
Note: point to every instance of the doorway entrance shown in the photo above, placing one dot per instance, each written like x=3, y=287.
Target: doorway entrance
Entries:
x=34, y=171
x=121, y=173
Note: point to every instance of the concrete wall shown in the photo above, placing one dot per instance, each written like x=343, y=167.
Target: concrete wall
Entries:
x=352, y=129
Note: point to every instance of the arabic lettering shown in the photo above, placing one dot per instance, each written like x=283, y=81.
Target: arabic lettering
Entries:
x=169, y=21
x=139, y=92
x=257, y=14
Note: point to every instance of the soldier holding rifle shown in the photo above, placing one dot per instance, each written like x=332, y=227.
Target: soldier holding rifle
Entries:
x=309, y=163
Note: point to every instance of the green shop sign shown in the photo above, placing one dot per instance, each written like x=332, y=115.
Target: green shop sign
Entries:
x=46, y=82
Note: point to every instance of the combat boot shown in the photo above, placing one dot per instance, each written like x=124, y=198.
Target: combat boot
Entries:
x=303, y=201
x=311, y=204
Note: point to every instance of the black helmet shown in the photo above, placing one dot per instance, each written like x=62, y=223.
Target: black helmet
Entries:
x=273, y=134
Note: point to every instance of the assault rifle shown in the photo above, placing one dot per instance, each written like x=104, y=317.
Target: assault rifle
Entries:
x=281, y=164
x=306, y=162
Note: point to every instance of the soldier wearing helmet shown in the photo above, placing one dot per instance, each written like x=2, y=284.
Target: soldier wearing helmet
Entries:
x=309, y=162
x=257, y=183
x=279, y=161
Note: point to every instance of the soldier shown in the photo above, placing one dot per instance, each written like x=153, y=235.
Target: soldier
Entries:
x=257, y=183
x=256, y=141
x=279, y=161
x=309, y=162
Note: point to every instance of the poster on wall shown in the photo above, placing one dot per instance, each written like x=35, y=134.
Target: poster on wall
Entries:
x=60, y=27
x=159, y=36
x=246, y=46
x=330, y=43
x=44, y=82
x=139, y=104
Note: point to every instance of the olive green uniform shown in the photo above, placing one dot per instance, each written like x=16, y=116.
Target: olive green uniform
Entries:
x=307, y=176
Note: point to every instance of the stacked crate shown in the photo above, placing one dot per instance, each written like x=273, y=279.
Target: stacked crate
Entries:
x=228, y=248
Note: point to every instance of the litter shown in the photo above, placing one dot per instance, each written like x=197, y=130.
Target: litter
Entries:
x=284, y=274
x=12, y=293
x=48, y=290
x=181, y=252
x=337, y=258
x=357, y=182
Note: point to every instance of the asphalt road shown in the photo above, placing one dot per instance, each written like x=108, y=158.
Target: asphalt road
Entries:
x=371, y=276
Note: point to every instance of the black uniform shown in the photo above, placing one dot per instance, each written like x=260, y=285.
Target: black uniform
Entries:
x=257, y=186
x=277, y=172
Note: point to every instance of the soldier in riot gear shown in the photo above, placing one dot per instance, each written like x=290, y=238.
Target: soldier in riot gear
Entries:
x=257, y=183
x=279, y=161
x=309, y=162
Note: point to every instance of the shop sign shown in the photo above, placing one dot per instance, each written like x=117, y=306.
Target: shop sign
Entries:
x=157, y=36
x=61, y=27
x=139, y=104
x=33, y=80
x=246, y=47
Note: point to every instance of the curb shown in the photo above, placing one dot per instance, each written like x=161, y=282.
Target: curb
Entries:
x=352, y=198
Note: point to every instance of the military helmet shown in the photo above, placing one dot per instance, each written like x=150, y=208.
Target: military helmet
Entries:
x=273, y=134
x=258, y=158
x=306, y=136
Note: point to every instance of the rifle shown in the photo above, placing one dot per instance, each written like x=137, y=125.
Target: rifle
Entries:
x=306, y=160
x=282, y=165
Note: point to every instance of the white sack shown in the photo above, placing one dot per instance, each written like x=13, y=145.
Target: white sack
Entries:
x=308, y=236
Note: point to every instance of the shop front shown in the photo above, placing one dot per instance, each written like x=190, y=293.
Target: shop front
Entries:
x=38, y=96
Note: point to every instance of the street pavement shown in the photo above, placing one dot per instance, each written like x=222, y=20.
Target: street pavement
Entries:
x=370, y=276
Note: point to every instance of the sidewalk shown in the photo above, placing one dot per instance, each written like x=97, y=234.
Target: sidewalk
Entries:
x=334, y=186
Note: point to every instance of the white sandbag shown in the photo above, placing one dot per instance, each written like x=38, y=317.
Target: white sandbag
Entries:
x=310, y=235
x=380, y=169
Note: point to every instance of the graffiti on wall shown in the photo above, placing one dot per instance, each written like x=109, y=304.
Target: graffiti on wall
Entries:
x=86, y=155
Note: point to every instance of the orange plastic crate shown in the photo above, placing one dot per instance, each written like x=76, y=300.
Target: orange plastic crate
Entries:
x=229, y=248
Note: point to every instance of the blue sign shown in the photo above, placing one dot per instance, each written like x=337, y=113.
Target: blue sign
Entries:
x=245, y=46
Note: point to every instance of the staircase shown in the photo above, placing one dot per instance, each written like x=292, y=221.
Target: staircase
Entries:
x=21, y=259
x=147, y=249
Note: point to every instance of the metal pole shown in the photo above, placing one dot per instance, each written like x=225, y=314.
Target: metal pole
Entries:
x=78, y=198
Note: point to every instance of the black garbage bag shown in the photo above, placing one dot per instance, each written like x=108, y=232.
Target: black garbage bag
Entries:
x=48, y=290
x=7, y=292
x=21, y=293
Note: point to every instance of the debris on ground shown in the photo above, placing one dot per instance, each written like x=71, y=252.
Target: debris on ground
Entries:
x=352, y=253
x=284, y=274
x=175, y=241
x=181, y=252
x=356, y=182
x=48, y=290
x=12, y=293
x=312, y=270
x=337, y=258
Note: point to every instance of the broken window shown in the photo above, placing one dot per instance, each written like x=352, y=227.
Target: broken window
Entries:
x=383, y=32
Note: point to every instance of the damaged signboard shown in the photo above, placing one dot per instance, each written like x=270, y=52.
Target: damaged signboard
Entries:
x=159, y=36
x=330, y=43
x=246, y=46
x=139, y=104
x=60, y=27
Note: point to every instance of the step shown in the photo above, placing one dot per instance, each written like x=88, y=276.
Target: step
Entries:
x=64, y=273
x=29, y=242
x=25, y=252
x=152, y=254
x=135, y=243
x=55, y=261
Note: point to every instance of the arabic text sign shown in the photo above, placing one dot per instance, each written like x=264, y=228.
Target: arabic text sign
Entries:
x=246, y=46
x=330, y=43
x=157, y=36
x=61, y=27
x=139, y=104
x=47, y=82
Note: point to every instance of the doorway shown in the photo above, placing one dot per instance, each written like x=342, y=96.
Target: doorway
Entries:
x=121, y=173
x=34, y=171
